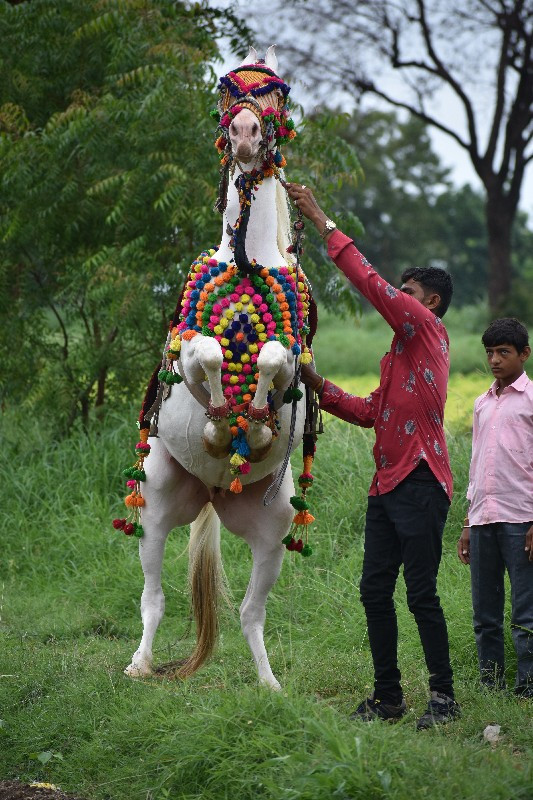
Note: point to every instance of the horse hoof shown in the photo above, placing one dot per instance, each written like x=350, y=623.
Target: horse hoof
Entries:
x=215, y=450
x=271, y=684
x=138, y=670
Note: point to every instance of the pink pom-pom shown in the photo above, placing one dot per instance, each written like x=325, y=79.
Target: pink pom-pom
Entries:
x=224, y=302
x=267, y=317
x=245, y=468
x=228, y=391
x=246, y=368
x=257, y=299
x=242, y=378
x=234, y=297
x=217, y=308
x=131, y=484
x=226, y=378
x=262, y=308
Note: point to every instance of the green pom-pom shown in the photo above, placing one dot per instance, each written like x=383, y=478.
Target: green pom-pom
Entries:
x=139, y=474
x=298, y=503
x=284, y=340
x=307, y=550
x=287, y=397
x=175, y=378
x=139, y=532
x=297, y=394
x=162, y=375
x=128, y=472
x=287, y=539
x=215, y=114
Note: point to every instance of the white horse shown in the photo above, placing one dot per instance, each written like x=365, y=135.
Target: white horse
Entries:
x=191, y=468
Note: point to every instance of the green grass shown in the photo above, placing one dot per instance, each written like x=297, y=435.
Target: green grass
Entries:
x=355, y=347
x=69, y=622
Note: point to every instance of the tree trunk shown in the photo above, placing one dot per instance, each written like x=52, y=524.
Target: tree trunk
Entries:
x=499, y=227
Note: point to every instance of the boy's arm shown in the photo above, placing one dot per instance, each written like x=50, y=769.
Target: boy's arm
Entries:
x=402, y=312
x=463, y=543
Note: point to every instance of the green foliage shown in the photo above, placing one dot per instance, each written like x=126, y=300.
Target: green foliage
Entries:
x=108, y=178
x=69, y=600
x=412, y=216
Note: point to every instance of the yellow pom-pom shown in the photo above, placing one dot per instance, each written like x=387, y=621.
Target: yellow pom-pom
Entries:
x=306, y=358
x=250, y=308
x=254, y=318
x=224, y=342
x=253, y=348
x=236, y=460
x=218, y=329
x=245, y=358
x=224, y=323
x=175, y=344
x=238, y=306
x=234, y=378
x=229, y=313
x=245, y=298
x=260, y=327
x=262, y=337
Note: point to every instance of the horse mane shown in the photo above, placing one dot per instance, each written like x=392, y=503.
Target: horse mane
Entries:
x=284, y=237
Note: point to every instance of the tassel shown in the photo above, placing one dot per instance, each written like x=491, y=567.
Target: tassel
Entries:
x=236, y=486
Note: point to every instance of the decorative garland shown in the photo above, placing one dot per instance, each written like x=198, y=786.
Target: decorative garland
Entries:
x=134, y=501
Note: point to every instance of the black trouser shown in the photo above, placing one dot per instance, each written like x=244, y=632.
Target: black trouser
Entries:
x=405, y=527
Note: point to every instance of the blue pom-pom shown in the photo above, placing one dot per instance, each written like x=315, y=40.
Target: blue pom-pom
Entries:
x=195, y=294
x=296, y=349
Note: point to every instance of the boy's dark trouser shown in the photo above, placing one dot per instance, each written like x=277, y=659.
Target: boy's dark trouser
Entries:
x=494, y=548
x=405, y=526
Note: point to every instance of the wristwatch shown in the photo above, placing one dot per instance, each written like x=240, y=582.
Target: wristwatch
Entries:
x=329, y=227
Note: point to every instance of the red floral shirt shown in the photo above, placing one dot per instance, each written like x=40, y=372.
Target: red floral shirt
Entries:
x=407, y=409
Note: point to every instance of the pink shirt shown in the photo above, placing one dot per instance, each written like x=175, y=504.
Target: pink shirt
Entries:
x=501, y=470
x=407, y=409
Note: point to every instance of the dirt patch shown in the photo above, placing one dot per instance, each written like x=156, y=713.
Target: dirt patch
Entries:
x=14, y=790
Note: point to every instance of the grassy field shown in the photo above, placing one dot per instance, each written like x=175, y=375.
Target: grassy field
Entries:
x=69, y=623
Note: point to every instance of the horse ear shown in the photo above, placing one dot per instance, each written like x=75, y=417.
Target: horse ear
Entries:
x=271, y=60
x=251, y=58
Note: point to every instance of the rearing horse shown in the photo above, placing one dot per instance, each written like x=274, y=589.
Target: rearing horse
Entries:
x=233, y=355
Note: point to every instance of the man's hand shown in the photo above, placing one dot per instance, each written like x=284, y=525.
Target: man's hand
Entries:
x=529, y=543
x=463, y=546
x=310, y=377
x=303, y=198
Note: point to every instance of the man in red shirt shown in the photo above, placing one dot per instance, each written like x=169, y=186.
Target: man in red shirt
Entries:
x=411, y=490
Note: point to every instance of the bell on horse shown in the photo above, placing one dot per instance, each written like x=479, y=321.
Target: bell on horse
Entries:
x=241, y=329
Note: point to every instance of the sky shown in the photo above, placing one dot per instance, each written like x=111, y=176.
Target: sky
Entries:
x=445, y=108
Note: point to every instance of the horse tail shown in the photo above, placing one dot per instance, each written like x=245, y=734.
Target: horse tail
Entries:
x=206, y=579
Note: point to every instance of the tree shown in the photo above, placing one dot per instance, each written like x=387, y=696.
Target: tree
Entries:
x=108, y=177
x=403, y=52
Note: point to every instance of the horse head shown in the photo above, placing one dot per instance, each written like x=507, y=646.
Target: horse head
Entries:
x=254, y=114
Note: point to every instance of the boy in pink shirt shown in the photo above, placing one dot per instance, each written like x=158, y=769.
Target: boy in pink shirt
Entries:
x=498, y=531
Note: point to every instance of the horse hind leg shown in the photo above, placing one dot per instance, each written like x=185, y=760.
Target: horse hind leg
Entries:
x=267, y=561
x=173, y=497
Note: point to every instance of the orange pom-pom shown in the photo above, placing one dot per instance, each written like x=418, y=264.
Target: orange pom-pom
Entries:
x=234, y=430
x=303, y=518
x=187, y=335
x=236, y=486
x=241, y=421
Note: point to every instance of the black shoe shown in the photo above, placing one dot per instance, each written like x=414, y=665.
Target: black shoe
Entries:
x=524, y=692
x=441, y=709
x=371, y=709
